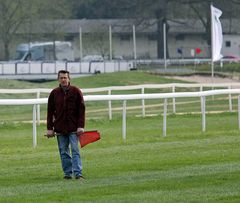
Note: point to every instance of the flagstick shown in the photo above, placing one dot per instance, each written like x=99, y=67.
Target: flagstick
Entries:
x=212, y=66
x=212, y=70
x=212, y=63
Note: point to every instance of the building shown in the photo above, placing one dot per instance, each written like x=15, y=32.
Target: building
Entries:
x=186, y=38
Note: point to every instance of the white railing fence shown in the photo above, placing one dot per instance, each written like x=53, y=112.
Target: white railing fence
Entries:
x=85, y=67
x=142, y=88
x=52, y=67
x=124, y=98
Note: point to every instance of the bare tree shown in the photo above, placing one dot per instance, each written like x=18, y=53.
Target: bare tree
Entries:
x=201, y=11
x=52, y=17
x=161, y=10
x=12, y=14
x=20, y=16
x=141, y=11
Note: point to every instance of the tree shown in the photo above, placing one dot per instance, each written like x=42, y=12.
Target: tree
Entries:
x=12, y=14
x=201, y=11
x=140, y=10
x=161, y=10
x=53, y=18
x=22, y=16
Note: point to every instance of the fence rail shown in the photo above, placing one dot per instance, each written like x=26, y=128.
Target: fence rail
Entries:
x=142, y=88
x=124, y=98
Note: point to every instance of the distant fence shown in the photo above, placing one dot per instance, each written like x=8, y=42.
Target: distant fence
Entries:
x=202, y=95
x=183, y=61
x=86, y=67
x=44, y=67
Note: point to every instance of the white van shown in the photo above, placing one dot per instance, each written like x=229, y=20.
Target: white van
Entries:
x=44, y=51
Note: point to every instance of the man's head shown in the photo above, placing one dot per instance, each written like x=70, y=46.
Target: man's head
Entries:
x=63, y=78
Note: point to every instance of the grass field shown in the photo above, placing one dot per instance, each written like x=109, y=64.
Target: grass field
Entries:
x=186, y=166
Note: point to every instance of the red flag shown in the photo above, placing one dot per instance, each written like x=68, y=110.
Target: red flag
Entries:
x=198, y=50
x=88, y=137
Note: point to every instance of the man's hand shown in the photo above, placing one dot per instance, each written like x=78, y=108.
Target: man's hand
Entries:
x=50, y=133
x=80, y=131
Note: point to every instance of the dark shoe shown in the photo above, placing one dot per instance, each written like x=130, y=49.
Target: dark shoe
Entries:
x=67, y=177
x=80, y=178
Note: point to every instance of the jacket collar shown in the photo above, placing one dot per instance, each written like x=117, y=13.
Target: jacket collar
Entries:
x=65, y=89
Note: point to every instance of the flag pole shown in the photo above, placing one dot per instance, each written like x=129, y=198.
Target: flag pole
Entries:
x=212, y=62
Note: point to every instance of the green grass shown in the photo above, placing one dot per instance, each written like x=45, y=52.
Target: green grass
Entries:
x=100, y=109
x=100, y=80
x=187, y=165
x=227, y=70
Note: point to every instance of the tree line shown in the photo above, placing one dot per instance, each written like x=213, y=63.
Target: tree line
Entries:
x=20, y=15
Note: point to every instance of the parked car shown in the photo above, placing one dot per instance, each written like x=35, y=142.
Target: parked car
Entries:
x=93, y=58
x=41, y=51
x=231, y=58
x=115, y=57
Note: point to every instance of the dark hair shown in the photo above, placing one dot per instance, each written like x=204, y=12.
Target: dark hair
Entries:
x=63, y=72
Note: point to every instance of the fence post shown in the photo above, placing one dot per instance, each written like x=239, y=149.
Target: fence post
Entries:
x=203, y=113
x=173, y=100
x=230, y=99
x=143, y=103
x=239, y=112
x=165, y=118
x=38, y=108
x=109, y=106
x=124, y=121
x=34, y=127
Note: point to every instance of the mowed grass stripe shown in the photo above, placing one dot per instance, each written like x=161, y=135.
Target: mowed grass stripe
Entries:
x=189, y=180
x=186, y=166
x=162, y=148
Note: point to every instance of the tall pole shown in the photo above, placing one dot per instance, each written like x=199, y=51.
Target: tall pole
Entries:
x=110, y=42
x=80, y=43
x=212, y=63
x=164, y=45
x=134, y=43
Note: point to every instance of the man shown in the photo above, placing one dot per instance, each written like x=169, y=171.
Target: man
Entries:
x=66, y=119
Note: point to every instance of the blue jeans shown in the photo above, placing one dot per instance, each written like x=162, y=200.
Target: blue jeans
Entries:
x=70, y=164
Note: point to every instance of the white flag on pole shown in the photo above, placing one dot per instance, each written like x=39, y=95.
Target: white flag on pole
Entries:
x=217, y=37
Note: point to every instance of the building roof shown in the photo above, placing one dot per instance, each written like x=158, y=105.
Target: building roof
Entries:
x=191, y=26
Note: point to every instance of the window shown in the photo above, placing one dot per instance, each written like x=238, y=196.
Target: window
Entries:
x=69, y=38
x=180, y=37
x=152, y=37
x=228, y=44
x=125, y=37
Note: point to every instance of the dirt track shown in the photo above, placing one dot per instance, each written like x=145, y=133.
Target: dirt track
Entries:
x=204, y=79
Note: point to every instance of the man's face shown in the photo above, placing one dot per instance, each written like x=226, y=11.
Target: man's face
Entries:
x=63, y=79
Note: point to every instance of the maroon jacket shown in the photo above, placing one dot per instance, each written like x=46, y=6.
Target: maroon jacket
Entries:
x=66, y=110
